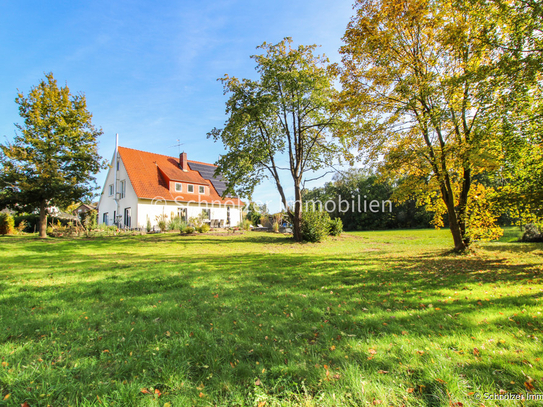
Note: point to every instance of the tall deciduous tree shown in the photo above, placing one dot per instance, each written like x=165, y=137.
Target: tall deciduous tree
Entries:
x=285, y=115
x=515, y=27
x=53, y=158
x=417, y=85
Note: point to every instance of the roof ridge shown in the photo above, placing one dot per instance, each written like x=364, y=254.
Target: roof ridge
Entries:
x=169, y=156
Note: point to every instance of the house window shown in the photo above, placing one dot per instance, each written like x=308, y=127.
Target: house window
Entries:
x=123, y=189
x=178, y=187
x=111, y=190
x=115, y=217
x=228, y=216
x=201, y=189
x=182, y=213
x=206, y=214
x=104, y=219
x=190, y=188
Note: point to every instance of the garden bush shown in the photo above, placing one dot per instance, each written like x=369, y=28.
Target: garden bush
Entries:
x=532, y=233
x=315, y=226
x=6, y=224
x=204, y=228
x=189, y=230
x=246, y=224
x=336, y=227
x=31, y=220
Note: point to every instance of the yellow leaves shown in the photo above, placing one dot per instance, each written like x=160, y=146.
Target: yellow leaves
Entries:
x=5, y=364
x=410, y=390
x=7, y=396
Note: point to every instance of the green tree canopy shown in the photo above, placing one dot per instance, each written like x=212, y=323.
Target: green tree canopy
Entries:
x=285, y=115
x=53, y=158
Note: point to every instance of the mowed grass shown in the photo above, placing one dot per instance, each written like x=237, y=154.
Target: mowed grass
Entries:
x=370, y=318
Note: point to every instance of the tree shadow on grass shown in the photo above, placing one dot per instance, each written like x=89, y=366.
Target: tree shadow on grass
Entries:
x=227, y=320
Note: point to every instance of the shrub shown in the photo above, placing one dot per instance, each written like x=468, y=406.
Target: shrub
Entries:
x=315, y=226
x=148, y=227
x=246, y=224
x=89, y=222
x=336, y=227
x=532, y=233
x=162, y=222
x=204, y=228
x=276, y=226
x=31, y=220
x=189, y=230
x=6, y=224
x=21, y=227
x=175, y=223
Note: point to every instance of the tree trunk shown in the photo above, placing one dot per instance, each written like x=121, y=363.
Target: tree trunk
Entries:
x=297, y=219
x=43, y=220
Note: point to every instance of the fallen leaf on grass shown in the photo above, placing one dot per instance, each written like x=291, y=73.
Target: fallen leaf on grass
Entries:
x=258, y=382
x=7, y=396
x=382, y=371
x=372, y=351
x=441, y=381
x=201, y=394
x=158, y=393
x=25, y=404
x=529, y=386
x=145, y=391
x=410, y=390
x=457, y=404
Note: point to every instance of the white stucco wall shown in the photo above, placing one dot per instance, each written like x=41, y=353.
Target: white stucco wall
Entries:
x=107, y=202
x=148, y=209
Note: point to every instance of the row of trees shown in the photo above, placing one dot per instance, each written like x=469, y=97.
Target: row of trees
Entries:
x=350, y=195
x=441, y=95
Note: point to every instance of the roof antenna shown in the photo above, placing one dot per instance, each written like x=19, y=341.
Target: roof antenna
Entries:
x=178, y=145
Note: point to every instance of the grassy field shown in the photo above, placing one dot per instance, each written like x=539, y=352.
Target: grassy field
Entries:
x=370, y=318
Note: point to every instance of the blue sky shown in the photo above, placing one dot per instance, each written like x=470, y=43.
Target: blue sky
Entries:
x=149, y=69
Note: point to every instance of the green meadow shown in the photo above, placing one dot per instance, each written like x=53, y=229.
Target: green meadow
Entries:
x=370, y=318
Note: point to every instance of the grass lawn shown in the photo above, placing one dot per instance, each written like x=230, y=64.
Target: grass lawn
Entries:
x=370, y=318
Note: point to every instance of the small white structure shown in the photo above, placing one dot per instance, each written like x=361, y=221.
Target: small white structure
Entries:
x=142, y=186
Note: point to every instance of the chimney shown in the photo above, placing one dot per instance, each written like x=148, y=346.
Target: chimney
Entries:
x=183, y=164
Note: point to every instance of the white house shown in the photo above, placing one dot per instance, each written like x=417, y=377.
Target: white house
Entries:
x=141, y=186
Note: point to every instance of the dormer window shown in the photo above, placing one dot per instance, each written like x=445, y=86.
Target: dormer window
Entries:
x=178, y=187
x=190, y=188
x=201, y=189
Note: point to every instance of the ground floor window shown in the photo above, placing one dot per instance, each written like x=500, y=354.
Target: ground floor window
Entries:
x=228, y=216
x=206, y=214
x=182, y=213
x=127, y=217
x=104, y=219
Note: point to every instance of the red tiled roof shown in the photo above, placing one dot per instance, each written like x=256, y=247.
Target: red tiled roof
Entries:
x=150, y=175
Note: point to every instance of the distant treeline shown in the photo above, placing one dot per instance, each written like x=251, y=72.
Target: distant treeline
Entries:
x=367, y=204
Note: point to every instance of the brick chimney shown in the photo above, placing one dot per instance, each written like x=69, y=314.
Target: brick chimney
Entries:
x=183, y=164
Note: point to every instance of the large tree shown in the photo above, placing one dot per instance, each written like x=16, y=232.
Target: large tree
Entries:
x=52, y=160
x=419, y=86
x=282, y=117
